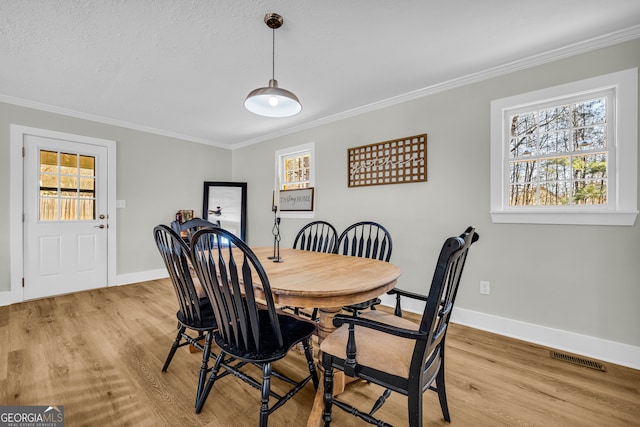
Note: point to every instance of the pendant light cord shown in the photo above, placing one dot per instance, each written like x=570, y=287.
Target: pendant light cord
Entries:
x=273, y=55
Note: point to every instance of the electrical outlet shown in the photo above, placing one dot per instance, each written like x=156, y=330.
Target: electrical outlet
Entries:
x=484, y=288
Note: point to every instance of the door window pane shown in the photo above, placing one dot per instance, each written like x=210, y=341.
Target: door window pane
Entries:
x=48, y=182
x=69, y=183
x=49, y=161
x=48, y=209
x=87, y=209
x=87, y=165
x=86, y=187
x=68, y=163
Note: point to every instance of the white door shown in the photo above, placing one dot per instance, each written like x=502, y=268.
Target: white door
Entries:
x=65, y=216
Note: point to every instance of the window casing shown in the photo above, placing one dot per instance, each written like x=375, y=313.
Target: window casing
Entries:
x=295, y=168
x=567, y=154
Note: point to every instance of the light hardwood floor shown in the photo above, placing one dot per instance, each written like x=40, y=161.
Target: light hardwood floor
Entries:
x=100, y=353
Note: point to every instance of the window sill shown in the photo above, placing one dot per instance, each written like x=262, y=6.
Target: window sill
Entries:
x=625, y=218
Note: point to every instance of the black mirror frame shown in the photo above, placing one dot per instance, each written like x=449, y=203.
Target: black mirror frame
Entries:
x=209, y=187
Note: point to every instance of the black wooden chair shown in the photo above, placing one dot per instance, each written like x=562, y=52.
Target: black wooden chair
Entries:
x=365, y=239
x=194, y=312
x=396, y=353
x=190, y=227
x=317, y=236
x=251, y=330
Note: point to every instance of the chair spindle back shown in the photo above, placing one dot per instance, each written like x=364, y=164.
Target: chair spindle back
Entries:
x=175, y=254
x=317, y=236
x=365, y=239
x=229, y=271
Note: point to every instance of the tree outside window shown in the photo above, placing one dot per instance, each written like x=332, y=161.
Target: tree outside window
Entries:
x=558, y=155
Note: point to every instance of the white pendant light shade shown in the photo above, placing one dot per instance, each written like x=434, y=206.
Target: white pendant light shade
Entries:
x=272, y=101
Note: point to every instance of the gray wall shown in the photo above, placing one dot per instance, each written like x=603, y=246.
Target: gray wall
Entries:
x=156, y=175
x=581, y=279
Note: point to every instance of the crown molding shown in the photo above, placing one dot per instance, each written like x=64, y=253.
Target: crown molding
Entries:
x=105, y=120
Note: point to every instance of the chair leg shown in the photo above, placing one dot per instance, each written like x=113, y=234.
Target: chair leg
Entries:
x=442, y=394
x=266, y=391
x=328, y=393
x=173, y=349
x=381, y=400
x=205, y=364
x=312, y=366
x=212, y=379
x=414, y=396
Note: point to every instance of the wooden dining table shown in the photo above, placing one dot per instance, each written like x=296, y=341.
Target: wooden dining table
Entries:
x=327, y=282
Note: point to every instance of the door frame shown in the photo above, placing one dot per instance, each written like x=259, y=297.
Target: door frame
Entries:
x=16, y=197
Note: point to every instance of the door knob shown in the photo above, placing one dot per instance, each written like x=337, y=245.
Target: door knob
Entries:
x=99, y=226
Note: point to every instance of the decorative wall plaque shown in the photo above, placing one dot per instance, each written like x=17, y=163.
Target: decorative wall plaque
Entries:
x=390, y=162
x=299, y=199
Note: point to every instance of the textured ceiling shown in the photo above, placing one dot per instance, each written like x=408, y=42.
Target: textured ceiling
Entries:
x=183, y=67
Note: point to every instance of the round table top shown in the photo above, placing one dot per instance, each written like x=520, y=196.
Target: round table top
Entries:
x=316, y=279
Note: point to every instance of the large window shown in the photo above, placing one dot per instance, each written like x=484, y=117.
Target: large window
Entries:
x=568, y=154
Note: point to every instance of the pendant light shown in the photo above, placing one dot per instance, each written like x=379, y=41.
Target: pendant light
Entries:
x=273, y=101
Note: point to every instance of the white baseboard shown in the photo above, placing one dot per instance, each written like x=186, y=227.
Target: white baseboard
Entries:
x=141, y=276
x=585, y=345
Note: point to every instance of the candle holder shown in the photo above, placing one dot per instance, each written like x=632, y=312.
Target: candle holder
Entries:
x=276, y=237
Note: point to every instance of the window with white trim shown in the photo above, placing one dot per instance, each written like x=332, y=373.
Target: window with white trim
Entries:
x=296, y=169
x=567, y=154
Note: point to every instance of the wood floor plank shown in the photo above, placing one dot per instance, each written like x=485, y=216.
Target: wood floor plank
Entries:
x=100, y=353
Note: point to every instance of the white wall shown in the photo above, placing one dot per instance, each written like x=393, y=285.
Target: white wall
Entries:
x=583, y=280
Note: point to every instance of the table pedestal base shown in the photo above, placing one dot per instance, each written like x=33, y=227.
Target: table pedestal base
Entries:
x=325, y=327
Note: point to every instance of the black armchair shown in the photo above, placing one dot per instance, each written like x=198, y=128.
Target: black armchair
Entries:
x=396, y=353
